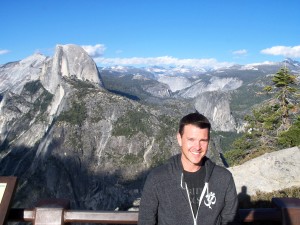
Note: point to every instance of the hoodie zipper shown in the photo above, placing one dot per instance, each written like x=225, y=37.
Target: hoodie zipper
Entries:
x=200, y=200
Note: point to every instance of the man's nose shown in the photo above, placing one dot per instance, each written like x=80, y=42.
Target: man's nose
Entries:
x=198, y=144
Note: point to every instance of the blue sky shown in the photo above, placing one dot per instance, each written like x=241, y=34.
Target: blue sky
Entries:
x=162, y=32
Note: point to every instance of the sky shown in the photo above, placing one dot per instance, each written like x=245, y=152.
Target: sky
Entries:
x=210, y=33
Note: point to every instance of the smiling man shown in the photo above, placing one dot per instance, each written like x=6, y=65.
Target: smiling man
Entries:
x=189, y=189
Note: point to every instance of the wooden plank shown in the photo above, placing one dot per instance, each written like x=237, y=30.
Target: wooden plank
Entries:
x=117, y=217
x=260, y=214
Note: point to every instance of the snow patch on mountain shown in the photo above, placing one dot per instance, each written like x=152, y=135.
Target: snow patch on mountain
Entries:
x=159, y=70
x=176, y=71
x=118, y=68
x=268, y=63
x=139, y=77
x=292, y=62
x=248, y=67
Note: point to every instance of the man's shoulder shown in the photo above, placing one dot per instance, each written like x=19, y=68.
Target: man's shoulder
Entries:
x=160, y=170
x=164, y=171
x=221, y=173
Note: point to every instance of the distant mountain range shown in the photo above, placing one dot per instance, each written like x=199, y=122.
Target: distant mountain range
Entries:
x=242, y=84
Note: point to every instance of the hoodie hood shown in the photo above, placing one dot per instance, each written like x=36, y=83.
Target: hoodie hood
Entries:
x=176, y=168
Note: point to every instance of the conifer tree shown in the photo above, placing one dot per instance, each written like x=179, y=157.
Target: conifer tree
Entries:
x=284, y=84
x=270, y=125
x=284, y=88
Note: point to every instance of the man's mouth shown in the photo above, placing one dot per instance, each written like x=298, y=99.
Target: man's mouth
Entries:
x=195, y=153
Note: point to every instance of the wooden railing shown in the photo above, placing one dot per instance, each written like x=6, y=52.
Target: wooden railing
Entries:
x=286, y=211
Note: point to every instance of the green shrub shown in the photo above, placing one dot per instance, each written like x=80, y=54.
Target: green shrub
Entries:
x=234, y=157
x=290, y=138
x=97, y=114
x=75, y=115
x=32, y=87
x=131, y=123
x=43, y=102
x=226, y=138
x=168, y=126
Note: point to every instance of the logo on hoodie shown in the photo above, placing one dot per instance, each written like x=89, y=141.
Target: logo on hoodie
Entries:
x=210, y=199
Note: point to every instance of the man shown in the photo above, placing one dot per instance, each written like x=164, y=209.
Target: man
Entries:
x=189, y=189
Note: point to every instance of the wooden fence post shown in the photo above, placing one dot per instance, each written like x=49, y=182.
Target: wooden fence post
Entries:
x=50, y=212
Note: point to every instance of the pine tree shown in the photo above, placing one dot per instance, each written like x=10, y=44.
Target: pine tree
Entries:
x=270, y=126
x=284, y=86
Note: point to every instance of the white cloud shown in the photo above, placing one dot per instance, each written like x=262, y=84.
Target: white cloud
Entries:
x=163, y=60
x=94, y=51
x=240, y=52
x=286, y=51
x=4, y=51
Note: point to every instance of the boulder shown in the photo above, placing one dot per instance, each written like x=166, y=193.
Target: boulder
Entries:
x=269, y=172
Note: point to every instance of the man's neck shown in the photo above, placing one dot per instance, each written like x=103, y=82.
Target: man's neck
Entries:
x=191, y=167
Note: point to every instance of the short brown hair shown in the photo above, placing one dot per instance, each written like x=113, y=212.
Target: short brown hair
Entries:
x=196, y=119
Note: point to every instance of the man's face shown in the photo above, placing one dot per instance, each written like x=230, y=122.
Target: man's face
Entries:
x=194, y=145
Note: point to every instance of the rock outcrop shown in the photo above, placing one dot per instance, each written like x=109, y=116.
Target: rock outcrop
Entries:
x=159, y=90
x=216, y=106
x=269, y=172
x=69, y=61
x=175, y=83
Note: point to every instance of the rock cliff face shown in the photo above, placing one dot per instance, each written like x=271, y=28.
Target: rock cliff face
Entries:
x=95, y=152
x=160, y=90
x=214, y=84
x=69, y=61
x=175, y=83
x=216, y=105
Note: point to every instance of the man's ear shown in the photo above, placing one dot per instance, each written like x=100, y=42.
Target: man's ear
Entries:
x=179, y=139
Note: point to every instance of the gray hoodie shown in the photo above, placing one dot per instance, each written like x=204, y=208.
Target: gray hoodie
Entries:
x=165, y=199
